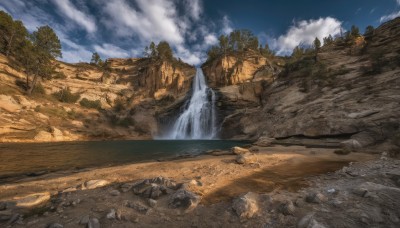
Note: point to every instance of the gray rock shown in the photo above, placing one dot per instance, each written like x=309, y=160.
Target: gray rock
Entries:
x=93, y=223
x=5, y=215
x=247, y=158
x=3, y=206
x=84, y=220
x=152, y=203
x=115, y=193
x=287, y=208
x=246, y=206
x=92, y=184
x=126, y=187
x=154, y=188
x=239, y=150
x=55, y=225
x=111, y=214
x=138, y=207
x=351, y=144
x=315, y=197
x=308, y=221
x=184, y=199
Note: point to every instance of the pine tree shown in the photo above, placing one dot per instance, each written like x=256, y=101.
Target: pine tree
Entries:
x=95, y=59
x=317, y=44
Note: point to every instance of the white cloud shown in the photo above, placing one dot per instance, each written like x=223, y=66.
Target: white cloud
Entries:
x=304, y=32
x=195, y=8
x=156, y=20
x=210, y=39
x=398, y=2
x=79, y=17
x=226, y=25
x=111, y=51
x=390, y=16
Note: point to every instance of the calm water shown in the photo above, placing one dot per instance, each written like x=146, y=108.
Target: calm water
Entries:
x=17, y=159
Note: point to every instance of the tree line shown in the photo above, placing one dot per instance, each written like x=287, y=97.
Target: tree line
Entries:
x=237, y=42
x=34, y=51
x=346, y=39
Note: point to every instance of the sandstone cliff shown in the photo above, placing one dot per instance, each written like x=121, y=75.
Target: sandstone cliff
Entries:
x=350, y=95
x=130, y=92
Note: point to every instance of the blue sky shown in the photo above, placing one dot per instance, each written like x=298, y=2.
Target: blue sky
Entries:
x=122, y=28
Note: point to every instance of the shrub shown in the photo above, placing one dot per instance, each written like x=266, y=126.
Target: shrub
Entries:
x=66, y=96
x=118, y=105
x=39, y=89
x=96, y=104
x=59, y=75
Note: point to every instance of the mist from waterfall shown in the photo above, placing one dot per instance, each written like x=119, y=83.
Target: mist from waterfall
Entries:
x=198, y=119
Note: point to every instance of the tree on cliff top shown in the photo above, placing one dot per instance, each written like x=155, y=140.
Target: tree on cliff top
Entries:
x=317, y=44
x=237, y=41
x=38, y=53
x=96, y=59
x=161, y=51
x=13, y=34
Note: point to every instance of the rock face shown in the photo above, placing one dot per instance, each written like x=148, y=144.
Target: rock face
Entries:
x=343, y=101
x=131, y=93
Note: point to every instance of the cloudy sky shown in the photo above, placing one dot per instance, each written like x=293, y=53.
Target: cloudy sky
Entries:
x=122, y=28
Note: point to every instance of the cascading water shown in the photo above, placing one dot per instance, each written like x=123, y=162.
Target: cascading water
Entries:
x=198, y=119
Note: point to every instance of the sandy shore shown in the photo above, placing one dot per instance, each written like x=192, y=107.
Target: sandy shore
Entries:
x=278, y=172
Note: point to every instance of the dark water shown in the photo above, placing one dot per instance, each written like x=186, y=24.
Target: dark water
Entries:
x=24, y=158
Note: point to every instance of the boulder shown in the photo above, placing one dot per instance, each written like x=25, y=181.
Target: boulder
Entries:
x=5, y=215
x=154, y=188
x=264, y=141
x=381, y=194
x=246, y=206
x=247, y=158
x=93, y=223
x=308, y=221
x=139, y=207
x=92, y=184
x=351, y=144
x=152, y=203
x=111, y=214
x=184, y=199
x=3, y=206
x=43, y=136
x=287, y=208
x=33, y=200
x=315, y=197
x=57, y=134
x=84, y=220
x=55, y=225
x=239, y=150
x=115, y=192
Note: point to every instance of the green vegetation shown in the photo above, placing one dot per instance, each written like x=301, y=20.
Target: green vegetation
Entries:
x=66, y=96
x=39, y=90
x=237, y=42
x=35, y=52
x=57, y=112
x=96, y=104
x=96, y=60
x=162, y=51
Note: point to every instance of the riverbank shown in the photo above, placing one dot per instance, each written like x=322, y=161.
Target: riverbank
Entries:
x=288, y=183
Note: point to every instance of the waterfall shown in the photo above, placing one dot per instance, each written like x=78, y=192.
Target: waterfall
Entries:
x=197, y=121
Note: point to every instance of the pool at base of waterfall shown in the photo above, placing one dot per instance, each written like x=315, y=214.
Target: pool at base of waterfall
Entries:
x=28, y=158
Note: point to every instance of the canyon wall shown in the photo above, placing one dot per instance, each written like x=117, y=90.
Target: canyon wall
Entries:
x=130, y=93
x=346, y=95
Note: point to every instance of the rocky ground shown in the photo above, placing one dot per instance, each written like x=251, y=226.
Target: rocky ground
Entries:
x=261, y=187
